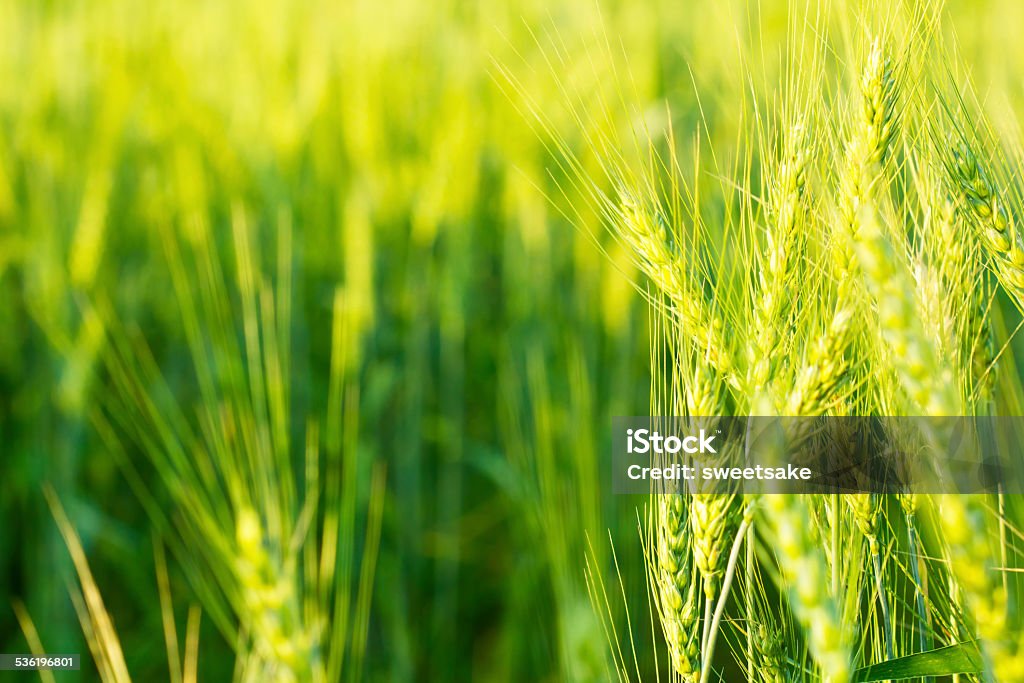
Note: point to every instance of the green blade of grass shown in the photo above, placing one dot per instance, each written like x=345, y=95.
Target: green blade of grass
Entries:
x=962, y=658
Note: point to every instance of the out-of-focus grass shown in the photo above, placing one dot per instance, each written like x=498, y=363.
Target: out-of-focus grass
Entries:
x=488, y=338
x=415, y=188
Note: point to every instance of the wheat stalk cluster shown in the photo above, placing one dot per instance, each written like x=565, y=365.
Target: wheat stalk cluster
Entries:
x=862, y=274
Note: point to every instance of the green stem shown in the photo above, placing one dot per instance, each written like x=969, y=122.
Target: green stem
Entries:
x=919, y=587
x=730, y=572
x=835, y=545
x=748, y=585
x=1001, y=500
x=880, y=589
x=707, y=622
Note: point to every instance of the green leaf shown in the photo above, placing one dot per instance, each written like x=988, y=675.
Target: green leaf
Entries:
x=962, y=658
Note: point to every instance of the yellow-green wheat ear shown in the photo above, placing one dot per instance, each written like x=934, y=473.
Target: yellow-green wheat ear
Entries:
x=994, y=224
x=957, y=299
x=823, y=371
x=780, y=258
x=878, y=89
x=867, y=148
x=870, y=134
x=771, y=659
x=269, y=596
x=806, y=579
x=677, y=586
x=963, y=520
x=865, y=513
x=711, y=516
x=641, y=229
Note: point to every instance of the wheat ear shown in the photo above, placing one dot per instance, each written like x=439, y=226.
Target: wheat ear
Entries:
x=645, y=234
x=994, y=224
x=780, y=259
x=271, y=611
x=806, y=576
x=677, y=586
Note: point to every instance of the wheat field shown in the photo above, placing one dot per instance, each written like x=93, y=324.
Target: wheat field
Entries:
x=316, y=317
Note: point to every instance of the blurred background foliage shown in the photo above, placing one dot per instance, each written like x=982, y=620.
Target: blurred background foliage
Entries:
x=494, y=328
